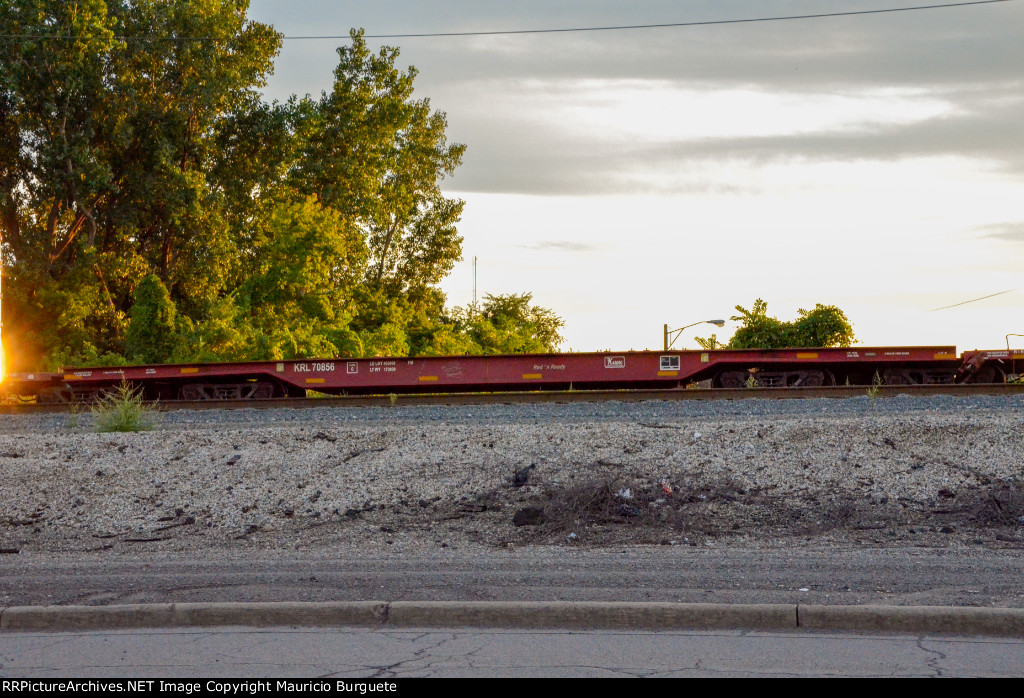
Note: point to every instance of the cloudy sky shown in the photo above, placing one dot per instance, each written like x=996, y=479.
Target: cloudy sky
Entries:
x=633, y=178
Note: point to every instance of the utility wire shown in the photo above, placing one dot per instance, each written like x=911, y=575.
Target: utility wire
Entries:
x=507, y=32
x=672, y=24
x=973, y=300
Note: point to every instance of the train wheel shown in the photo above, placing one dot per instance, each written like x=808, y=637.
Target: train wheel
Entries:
x=60, y=395
x=731, y=379
x=814, y=379
x=261, y=391
x=255, y=390
x=896, y=376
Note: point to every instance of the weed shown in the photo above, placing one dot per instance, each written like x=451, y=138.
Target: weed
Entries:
x=392, y=399
x=123, y=410
x=74, y=413
x=876, y=387
x=751, y=381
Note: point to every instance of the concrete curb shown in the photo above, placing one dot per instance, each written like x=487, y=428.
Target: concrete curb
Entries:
x=946, y=620
x=583, y=615
x=191, y=615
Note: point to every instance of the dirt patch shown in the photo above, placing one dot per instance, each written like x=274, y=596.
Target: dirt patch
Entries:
x=718, y=510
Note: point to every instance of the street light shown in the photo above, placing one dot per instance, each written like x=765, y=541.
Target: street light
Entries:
x=675, y=333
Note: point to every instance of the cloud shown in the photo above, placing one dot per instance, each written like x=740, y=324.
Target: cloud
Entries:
x=534, y=109
x=941, y=46
x=1013, y=232
x=593, y=144
x=562, y=246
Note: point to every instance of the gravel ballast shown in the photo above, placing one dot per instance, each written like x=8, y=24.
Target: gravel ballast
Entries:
x=910, y=471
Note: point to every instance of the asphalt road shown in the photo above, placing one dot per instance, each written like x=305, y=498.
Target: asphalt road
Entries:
x=330, y=654
x=971, y=576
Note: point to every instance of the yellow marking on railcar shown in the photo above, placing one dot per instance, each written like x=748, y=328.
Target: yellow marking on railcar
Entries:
x=190, y=369
x=668, y=373
x=704, y=358
x=279, y=368
x=71, y=377
x=314, y=380
x=944, y=357
x=531, y=376
x=428, y=378
x=807, y=355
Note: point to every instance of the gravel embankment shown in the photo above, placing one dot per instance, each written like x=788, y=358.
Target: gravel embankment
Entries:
x=917, y=471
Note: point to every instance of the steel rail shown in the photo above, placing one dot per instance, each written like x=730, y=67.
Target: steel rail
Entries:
x=558, y=396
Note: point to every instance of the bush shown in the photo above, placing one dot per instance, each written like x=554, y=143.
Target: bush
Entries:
x=123, y=410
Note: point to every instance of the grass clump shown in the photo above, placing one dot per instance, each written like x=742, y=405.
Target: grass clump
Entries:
x=876, y=387
x=123, y=410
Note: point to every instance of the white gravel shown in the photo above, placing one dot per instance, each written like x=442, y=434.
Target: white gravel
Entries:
x=297, y=476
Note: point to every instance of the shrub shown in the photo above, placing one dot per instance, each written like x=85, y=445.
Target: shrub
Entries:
x=123, y=410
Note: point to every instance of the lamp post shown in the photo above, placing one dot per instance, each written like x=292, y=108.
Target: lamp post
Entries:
x=675, y=333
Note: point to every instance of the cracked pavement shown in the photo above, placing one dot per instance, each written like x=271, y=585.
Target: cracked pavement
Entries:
x=383, y=654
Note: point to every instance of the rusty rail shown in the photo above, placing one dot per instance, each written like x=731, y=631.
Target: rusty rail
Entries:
x=561, y=396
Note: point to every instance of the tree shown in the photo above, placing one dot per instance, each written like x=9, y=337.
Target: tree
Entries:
x=153, y=208
x=376, y=155
x=825, y=326
x=508, y=324
x=152, y=331
x=711, y=343
x=109, y=113
x=758, y=330
x=301, y=293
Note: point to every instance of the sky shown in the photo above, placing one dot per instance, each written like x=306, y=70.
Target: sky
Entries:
x=634, y=178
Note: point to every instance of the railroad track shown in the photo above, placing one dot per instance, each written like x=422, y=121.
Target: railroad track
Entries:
x=558, y=396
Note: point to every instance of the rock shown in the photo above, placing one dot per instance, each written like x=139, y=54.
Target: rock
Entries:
x=529, y=516
x=521, y=477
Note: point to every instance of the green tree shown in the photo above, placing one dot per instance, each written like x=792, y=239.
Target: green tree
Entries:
x=153, y=207
x=152, y=331
x=757, y=329
x=509, y=324
x=301, y=293
x=109, y=114
x=711, y=343
x=825, y=326
x=52, y=174
x=372, y=152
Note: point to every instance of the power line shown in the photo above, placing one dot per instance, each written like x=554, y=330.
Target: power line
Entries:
x=973, y=300
x=672, y=24
x=564, y=30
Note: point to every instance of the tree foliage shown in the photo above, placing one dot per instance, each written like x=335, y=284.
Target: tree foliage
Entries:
x=154, y=208
x=509, y=324
x=825, y=326
x=151, y=335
